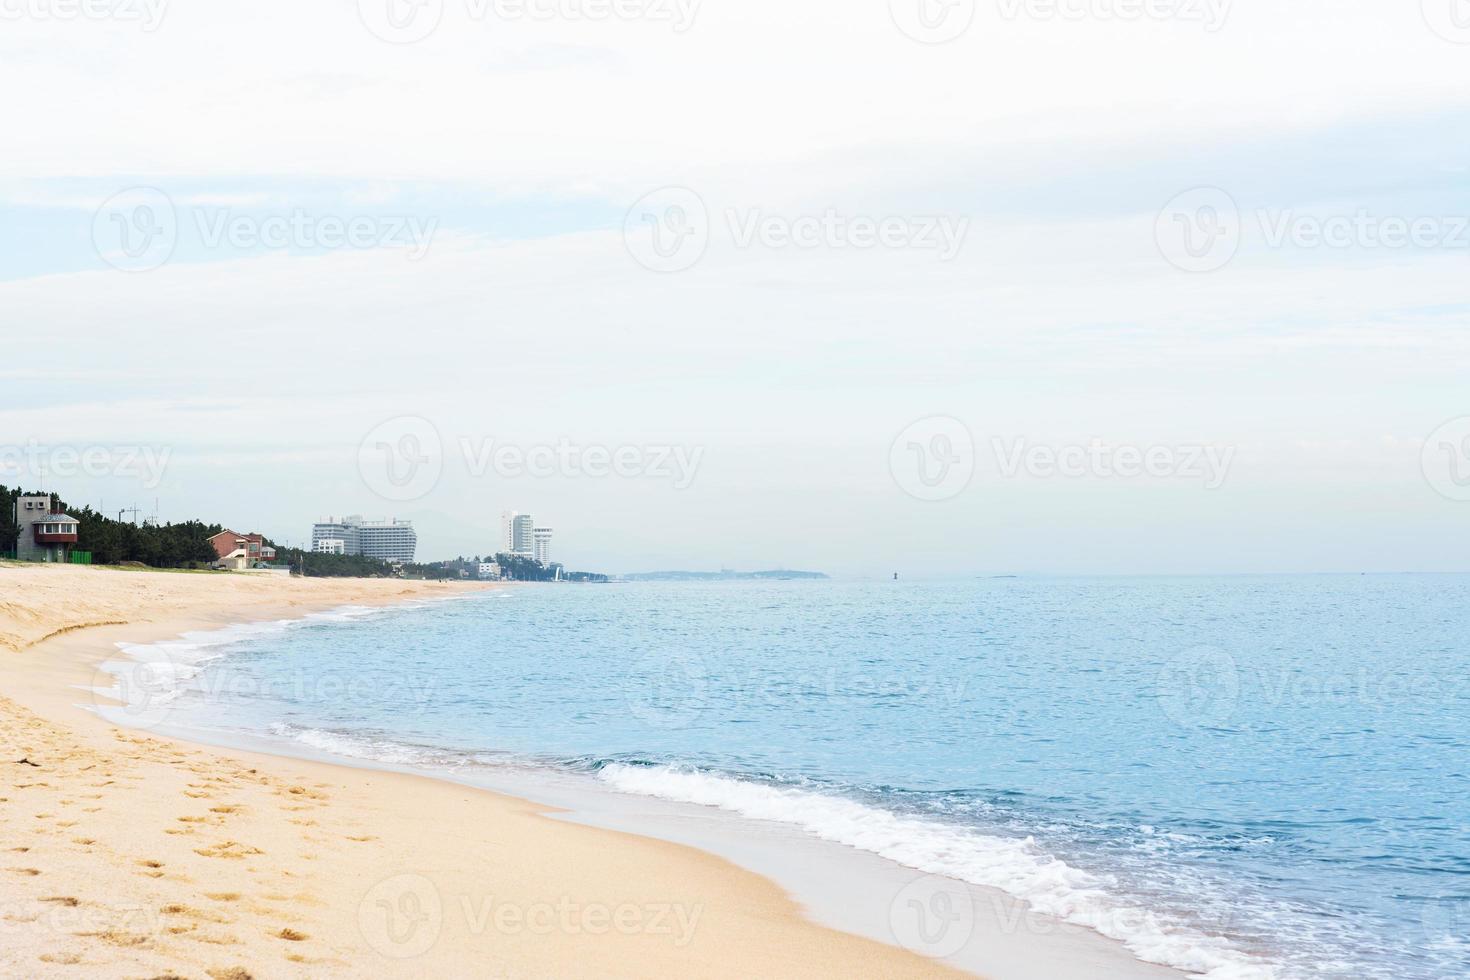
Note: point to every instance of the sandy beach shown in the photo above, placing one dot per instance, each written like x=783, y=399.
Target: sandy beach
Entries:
x=126, y=854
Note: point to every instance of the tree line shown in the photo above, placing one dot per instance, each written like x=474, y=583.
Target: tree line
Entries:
x=186, y=545
x=522, y=569
x=314, y=564
x=114, y=542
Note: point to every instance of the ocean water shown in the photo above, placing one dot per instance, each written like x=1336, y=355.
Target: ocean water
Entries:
x=1243, y=777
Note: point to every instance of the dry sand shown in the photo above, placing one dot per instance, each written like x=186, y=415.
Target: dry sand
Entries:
x=124, y=854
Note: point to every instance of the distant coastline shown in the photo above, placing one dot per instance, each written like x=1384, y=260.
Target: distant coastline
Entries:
x=720, y=576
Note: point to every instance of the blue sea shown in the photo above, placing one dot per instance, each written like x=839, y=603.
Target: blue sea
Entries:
x=1237, y=776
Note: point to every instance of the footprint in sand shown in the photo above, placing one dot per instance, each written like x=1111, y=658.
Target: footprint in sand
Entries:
x=116, y=937
x=189, y=912
x=230, y=973
x=229, y=850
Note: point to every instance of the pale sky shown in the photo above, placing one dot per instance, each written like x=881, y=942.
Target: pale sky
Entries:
x=1229, y=238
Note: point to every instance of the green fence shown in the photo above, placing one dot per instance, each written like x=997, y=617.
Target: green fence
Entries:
x=75, y=558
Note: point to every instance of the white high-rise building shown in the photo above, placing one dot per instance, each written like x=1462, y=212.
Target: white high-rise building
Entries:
x=518, y=534
x=542, y=540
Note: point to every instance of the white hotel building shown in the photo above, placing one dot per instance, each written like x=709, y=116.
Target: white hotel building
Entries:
x=393, y=540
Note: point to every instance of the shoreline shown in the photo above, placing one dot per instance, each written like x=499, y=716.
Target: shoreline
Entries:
x=835, y=885
x=830, y=888
x=141, y=854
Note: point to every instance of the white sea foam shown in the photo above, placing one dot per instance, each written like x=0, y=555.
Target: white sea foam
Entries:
x=1016, y=866
x=358, y=746
x=154, y=674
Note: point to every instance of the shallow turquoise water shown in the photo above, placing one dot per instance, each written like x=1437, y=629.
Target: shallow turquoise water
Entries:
x=1243, y=776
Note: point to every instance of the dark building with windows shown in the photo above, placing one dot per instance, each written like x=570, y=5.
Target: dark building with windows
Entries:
x=44, y=534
